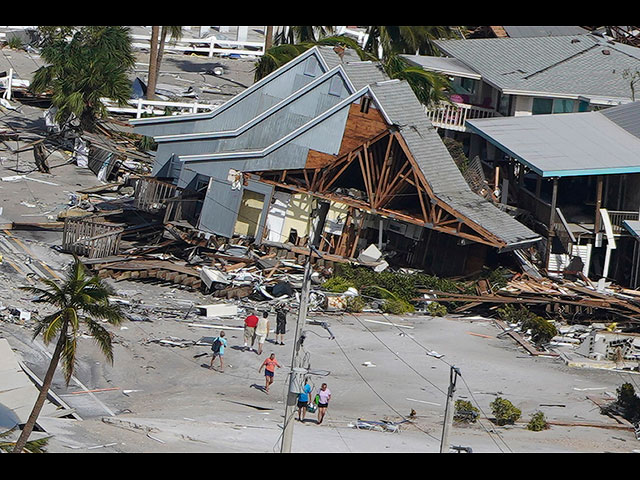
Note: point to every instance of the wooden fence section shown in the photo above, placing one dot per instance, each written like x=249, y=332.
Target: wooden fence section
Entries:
x=151, y=194
x=89, y=238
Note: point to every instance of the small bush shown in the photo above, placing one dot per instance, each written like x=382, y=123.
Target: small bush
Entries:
x=628, y=402
x=498, y=278
x=435, y=309
x=538, y=422
x=504, y=411
x=337, y=284
x=15, y=43
x=355, y=304
x=512, y=314
x=465, y=412
x=542, y=331
x=397, y=306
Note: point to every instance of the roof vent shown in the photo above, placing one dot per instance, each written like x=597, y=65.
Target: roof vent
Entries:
x=606, y=52
x=575, y=40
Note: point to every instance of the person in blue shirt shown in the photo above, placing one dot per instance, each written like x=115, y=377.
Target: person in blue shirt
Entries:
x=221, y=343
x=303, y=401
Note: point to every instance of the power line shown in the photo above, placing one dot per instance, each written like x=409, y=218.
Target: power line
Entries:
x=463, y=380
x=378, y=395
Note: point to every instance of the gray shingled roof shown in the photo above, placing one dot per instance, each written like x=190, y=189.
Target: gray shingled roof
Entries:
x=529, y=31
x=401, y=105
x=574, y=65
x=626, y=117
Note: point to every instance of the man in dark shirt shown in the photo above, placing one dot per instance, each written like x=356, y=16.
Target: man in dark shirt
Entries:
x=250, y=331
x=281, y=323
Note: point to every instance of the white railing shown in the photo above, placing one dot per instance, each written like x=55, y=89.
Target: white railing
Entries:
x=454, y=115
x=210, y=45
x=142, y=106
x=617, y=217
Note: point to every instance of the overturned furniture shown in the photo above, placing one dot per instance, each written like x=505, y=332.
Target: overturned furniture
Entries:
x=89, y=237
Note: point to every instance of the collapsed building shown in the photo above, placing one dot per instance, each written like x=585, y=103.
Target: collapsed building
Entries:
x=327, y=128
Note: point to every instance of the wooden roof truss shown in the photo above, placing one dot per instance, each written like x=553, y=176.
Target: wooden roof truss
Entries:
x=392, y=183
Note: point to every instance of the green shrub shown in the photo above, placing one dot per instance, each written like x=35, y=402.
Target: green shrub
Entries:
x=435, y=309
x=337, y=285
x=465, y=412
x=15, y=43
x=355, y=304
x=512, y=314
x=396, y=306
x=498, y=278
x=504, y=411
x=538, y=422
x=542, y=331
x=628, y=402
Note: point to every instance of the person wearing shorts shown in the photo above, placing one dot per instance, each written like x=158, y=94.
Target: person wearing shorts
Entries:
x=250, y=331
x=269, y=366
x=303, y=401
x=281, y=324
x=323, y=396
x=220, y=353
x=262, y=331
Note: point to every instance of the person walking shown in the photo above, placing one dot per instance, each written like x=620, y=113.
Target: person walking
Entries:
x=281, y=323
x=250, y=331
x=323, y=396
x=303, y=401
x=269, y=366
x=262, y=331
x=218, y=347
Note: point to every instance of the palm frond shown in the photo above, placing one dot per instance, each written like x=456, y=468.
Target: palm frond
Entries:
x=102, y=338
x=49, y=326
x=68, y=356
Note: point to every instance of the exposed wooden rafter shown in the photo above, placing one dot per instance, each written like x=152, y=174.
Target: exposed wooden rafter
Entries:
x=388, y=171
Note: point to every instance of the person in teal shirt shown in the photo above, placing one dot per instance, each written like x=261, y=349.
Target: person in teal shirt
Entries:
x=303, y=401
x=220, y=351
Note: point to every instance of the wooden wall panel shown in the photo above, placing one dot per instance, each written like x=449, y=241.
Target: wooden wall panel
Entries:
x=359, y=128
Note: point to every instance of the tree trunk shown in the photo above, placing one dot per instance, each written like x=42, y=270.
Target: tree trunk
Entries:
x=268, y=42
x=44, y=391
x=163, y=39
x=153, y=61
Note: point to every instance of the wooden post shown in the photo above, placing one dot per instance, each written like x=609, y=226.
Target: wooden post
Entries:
x=552, y=219
x=596, y=226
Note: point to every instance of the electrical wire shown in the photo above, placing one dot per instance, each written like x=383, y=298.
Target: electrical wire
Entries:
x=378, y=395
x=463, y=380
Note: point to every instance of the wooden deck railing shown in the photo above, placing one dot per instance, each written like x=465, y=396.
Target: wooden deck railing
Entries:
x=617, y=217
x=454, y=115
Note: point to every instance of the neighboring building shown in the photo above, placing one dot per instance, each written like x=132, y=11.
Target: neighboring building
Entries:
x=526, y=31
x=578, y=174
x=495, y=77
x=328, y=127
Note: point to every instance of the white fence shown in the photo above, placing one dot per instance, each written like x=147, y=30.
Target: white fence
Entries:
x=453, y=116
x=209, y=45
x=142, y=106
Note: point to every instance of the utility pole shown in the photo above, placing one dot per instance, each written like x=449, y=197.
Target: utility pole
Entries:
x=319, y=215
x=448, y=412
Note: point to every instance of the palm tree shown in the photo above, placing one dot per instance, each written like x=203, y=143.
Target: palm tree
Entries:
x=384, y=44
x=293, y=35
x=79, y=300
x=84, y=65
x=158, y=39
x=32, y=446
x=396, y=40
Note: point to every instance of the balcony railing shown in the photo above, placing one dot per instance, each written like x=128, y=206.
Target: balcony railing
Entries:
x=617, y=217
x=454, y=115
